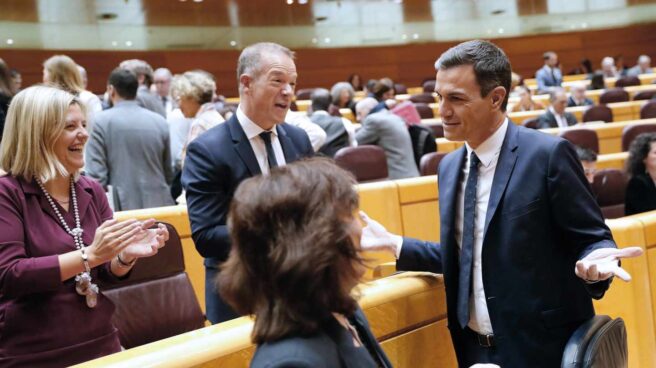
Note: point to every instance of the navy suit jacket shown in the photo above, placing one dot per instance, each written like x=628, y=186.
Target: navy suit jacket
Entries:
x=541, y=219
x=332, y=347
x=217, y=161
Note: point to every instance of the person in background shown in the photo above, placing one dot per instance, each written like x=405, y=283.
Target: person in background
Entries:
x=298, y=279
x=577, y=96
x=608, y=68
x=193, y=92
x=340, y=132
x=162, y=80
x=58, y=238
x=549, y=76
x=356, y=82
x=17, y=79
x=588, y=160
x=7, y=91
x=83, y=75
x=620, y=66
x=641, y=167
x=597, y=81
x=642, y=67
x=526, y=103
x=130, y=149
x=144, y=73
x=62, y=72
x=556, y=116
x=342, y=98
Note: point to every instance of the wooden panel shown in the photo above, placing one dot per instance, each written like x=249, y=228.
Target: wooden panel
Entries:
x=427, y=347
x=407, y=64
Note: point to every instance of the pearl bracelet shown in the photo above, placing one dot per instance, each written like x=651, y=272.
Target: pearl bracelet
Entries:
x=85, y=260
x=122, y=263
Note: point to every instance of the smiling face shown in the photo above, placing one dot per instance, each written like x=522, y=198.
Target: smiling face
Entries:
x=269, y=90
x=69, y=146
x=466, y=116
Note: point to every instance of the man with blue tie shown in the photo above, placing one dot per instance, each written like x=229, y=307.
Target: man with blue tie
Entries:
x=252, y=142
x=524, y=247
x=549, y=76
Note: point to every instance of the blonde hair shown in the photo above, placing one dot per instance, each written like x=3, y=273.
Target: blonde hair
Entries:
x=63, y=73
x=196, y=85
x=35, y=119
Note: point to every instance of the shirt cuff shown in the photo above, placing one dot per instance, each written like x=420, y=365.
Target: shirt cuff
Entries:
x=398, y=244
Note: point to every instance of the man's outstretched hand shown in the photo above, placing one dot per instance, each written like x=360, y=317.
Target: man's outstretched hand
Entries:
x=603, y=263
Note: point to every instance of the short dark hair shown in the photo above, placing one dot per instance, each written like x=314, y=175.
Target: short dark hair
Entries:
x=638, y=150
x=379, y=89
x=586, y=154
x=292, y=252
x=321, y=99
x=125, y=83
x=491, y=65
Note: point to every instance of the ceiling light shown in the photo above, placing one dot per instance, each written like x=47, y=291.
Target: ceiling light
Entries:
x=128, y=43
x=10, y=41
x=198, y=1
x=405, y=36
x=314, y=40
x=290, y=2
x=398, y=1
x=302, y=2
x=584, y=25
x=233, y=43
x=326, y=40
x=500, y=30
x=415, y=36
x=114, y=43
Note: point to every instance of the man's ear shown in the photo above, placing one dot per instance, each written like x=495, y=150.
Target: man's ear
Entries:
x=498, y=94
x=245, y=81
x=110, y=90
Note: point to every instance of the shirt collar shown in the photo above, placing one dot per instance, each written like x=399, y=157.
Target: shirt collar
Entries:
x=250, y=128
x=491, y=147
x=550, y=108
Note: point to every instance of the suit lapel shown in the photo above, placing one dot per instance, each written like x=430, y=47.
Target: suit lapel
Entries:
x=505, y=166
x=288, y=149
x=243, y=146
x=449, y=178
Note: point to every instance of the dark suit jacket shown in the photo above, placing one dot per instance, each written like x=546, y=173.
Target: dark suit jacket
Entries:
x=548, y=120
x=541, y=219
x=217, y=161
x=330, y=348
x=640, y=195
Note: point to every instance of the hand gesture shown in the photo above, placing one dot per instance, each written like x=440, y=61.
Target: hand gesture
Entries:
x=111, y=237
x=601, y=264
x=147, y=242
x=376, y=238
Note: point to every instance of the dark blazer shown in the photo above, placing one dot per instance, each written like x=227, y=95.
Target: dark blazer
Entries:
x=548, y=120
x=541, y=219
x=330, y=348
x=640, y=195
x=217, y=161
x=586, y=102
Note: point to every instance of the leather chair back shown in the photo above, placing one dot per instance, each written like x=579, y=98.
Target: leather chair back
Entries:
x=598, y=113
x=304, y=93
x=426, y=97
x=617, y=94
x=429, y=163
x=367, y=163
x=586, y=138
x=630, y=132
x=644, y=95
x=599, y=342
x=609, y=186
x=156, y=300
x=429, y=85
x=531, y=123
x=627, y=81
x=424, y=110
x=400, y=89
x=648, y=110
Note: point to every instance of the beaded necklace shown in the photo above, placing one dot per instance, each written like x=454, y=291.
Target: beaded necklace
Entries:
x=83, y=284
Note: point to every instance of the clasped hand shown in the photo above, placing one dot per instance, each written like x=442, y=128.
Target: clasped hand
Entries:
x=132, y=238
x=602, y=264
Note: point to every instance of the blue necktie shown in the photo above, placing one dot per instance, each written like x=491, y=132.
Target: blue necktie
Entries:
x=271, y=157
x=467, y=250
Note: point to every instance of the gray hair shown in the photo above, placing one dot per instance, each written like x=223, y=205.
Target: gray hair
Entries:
x=140, y=68
x=165, y=72
x=553, y=94
x=491, y=65
x=365, y=105
x=251, y=58
x=337, y=89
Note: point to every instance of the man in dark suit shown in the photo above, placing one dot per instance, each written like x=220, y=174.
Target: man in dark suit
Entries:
x=252, y=142
x=524, y=246
x=556, y=116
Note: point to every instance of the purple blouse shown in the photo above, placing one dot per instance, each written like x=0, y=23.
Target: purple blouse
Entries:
x=43, y=321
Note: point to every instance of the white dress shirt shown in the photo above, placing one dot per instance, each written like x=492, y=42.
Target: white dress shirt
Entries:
x=253, y=131
x=348, y=125
x=488, y=153
x=560, y=119
x=300, y=119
